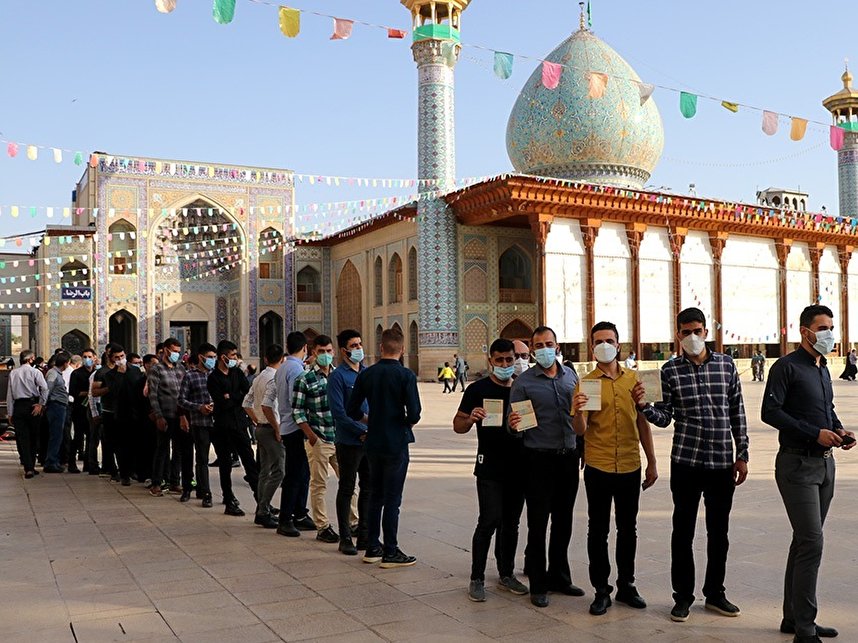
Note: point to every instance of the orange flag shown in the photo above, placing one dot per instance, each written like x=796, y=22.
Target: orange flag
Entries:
x=798, y=128
x=597, y=84
x=342, y=29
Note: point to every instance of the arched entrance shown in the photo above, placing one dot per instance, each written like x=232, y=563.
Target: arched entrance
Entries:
x=349, y=298
x=517, y=329
x=413, y=354
x=270, y=331
x=122, y=329
x=75, y=342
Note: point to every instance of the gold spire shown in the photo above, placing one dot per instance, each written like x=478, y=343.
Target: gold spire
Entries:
x=582, y=20
x=846, y=77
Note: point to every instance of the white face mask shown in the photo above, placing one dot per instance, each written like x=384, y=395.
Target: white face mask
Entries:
x=122, y=362
x=693, y=344
x=605, y=353
x=824, y=342
x=521, y=365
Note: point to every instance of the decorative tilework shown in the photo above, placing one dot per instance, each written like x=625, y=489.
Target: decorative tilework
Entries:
x=221, y=319
x=475, y=248
x=235, y=317
x=328, y=322
x=847, y=175
x=476, y=335
x=289, y=291
x=159, y=319
x=474, y=286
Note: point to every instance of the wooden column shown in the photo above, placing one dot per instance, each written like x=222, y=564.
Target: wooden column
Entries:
x=815, y=250
x=677, y=239
x=540, y=224
x=589, y=231
x=844, y=254
x=717, y=240
x=782, y=248
x=634, y=236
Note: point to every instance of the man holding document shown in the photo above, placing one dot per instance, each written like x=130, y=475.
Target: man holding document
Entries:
x=550, y=460
x=500, y=493
x=605, y=414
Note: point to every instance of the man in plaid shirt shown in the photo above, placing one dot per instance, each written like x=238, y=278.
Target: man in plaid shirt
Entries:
x=703, y=397
x=312, y=413
x=195, y=399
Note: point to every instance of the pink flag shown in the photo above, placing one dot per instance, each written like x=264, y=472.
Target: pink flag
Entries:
x=342, y=29
x=836, y=137
x=395, y=33
x=770, y=122
x=551, y=74
x=12, y=149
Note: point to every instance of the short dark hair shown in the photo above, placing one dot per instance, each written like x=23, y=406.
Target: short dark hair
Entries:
x=689, y=316
x=501, y=345
x=812, y=312
x=225, y=346
x=88, y=350
x=274, y=353
x=159, y=347
x=322, y=340
x=116, y=348
x=346, y=336
x=25, y=355
x=391, y=340
x=172, y=341
x=148, y=358
x=205, y=347
x=543, y=329
x=193, y=359
x=295, y=341
x=605, y=325
x=133, y=356
x=61, y=359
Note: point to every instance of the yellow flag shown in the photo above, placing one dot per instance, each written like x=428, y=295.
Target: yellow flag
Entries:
x=798, y=128
x=597, y=84
x=733, y=107
x=290, y=21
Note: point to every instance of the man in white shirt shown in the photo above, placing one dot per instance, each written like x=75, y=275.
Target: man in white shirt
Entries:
x=26, y=397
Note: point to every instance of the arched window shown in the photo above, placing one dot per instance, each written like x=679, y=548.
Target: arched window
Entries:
x=270, y=254
x=308, y=285
x=349, y=298
x=515, y=276
x=378, y=331
x=75, y=342
x=394, y=280
x=75, y=273
x=270, y=331
x=776, y=201
x=412, y=274
x=378, y=272
x=122, y=247
x=122, y=330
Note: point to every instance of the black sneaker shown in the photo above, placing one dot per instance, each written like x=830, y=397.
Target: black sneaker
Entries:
x=185, y=497
x=630, y=596
x=361, y=543
x=679, y=613
x=306, y=524
x=397, y=559
x=287, y=528
x=126, y=482
x=600, y=604
x=373, y=555
x=477, y=591
x=266, y=520
x=233, y=509
x=328, y=535
x=721, y=605
x=347, y=547
x=207, y=501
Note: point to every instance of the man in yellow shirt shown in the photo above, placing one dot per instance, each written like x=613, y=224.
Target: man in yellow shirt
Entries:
x=613, y=468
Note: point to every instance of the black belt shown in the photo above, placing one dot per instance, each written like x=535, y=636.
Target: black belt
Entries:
x=259, y=424
x=31, y=400
x=554, y=451
x=809, y=453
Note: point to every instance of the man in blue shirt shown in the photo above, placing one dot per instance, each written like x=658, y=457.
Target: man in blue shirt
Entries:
x=349, y=442
x=394, y=407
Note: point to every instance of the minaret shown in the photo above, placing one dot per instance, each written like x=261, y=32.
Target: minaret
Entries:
x=436, y=48
x=844, y=109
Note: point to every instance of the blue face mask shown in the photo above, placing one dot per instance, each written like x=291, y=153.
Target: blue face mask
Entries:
x=503, y=373
x=232, y=363
x=545, y=357
x=174, y=357
x=356, y=356
x=87, y=361
x=324, y=359
x=209, y=363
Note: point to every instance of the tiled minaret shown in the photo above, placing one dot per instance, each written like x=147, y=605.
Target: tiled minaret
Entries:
x=844, y=109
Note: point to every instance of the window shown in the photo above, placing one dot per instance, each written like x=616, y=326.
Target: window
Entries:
x=412, y=274
x=75, y=274
x=122, y=247
x=270, y=254
x=515, y=276
x=394, y=280
x=309, y=285
x=378, y=272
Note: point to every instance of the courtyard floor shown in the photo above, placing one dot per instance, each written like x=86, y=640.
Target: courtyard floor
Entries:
x=83, y=559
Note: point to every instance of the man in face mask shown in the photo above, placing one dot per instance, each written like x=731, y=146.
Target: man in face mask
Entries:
x=799, y=403
x=194, y=398
x=522, y=357
x=79, y=390
x=499, y=455
x=614, y=435
x=703, y=397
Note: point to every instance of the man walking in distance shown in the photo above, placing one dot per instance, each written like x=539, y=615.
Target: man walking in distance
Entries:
x=164, y=381
x=703, y=397
x=551, y=468
x=799, y=403
x=268, y=442
x=26, y=397
x=194, y=399
x=350, y=437
x=312, y=413
x=499, y=455
x=294, y=516
x=79, y=391
x=461, y=368
x=613, y=437
x=394, y=408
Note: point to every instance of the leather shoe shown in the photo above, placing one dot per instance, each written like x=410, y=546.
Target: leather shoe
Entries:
x=306, y=524
x=629, y=596
x=287, y=528
x=232, y=509
x=806, y=639
x=569, y=590
x=266, y=520
x=600, y=604
x=207, y=501
x=185, y=497
x=822, y=632
x=539, y=600
x=347, y=547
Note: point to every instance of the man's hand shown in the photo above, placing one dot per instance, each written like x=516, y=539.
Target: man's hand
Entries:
x=828, y=438
x=477, y=415
x=161, y=424
x=578, y=402
x=206, y=409
x=37, y=409
x=312, y=439
x=846, y=447
x=514, y=420
x=362, y=437
x=650, y=476
x=740, y=472
x=638, y=394
x=183, y=424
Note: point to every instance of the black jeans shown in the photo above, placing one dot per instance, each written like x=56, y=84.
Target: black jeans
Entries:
x=624, y=491
x=228, y=438
x=119, y=434
x=387, y=479
x=500, y=503
x=27, y=427
x=353, y=465
x=688, y=484
x=109, y=443
x=183, y=445
x=550, y=490
x=202, y=445
x=161, y=458
x=80, y=427
x=296, y=481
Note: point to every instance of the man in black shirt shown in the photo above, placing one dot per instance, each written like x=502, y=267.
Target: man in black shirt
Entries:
x=799, y=403
x=499, y=453
x=121, y=385
x=79, y=392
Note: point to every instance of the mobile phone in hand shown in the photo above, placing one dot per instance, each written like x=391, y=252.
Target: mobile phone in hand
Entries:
x=846, y=440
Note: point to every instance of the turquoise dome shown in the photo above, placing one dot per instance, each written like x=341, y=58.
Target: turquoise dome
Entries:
x=563, y=133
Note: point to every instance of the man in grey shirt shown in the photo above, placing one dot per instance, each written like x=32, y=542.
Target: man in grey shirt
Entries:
x=550, y=467
x=26, y=397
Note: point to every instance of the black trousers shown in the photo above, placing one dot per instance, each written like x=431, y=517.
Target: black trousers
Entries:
x=623, y=490
x=228, y=438
x=80, y=428
x=353, y=466
x=183, y=444
x=501, y=503
x=144, y=447
x=296, y=482
x=118, y=433
x=93, y=439
x=688, y=484
x=109, y=443
x=550, y=491
x=27, y=427
x=161, y=455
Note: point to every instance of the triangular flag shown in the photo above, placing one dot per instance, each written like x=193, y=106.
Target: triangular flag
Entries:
x=58, y=155
x=797, y=128
x=551, y=74
x=342, y=29
x=645, y=90
x=503, y=65
x=687, y=104
x=165, y=6
x=395, y=33
x=596, y=84
x=770, y=122
x=223, y=11
x=290, y=21
x=732, y=107
x=836, y=136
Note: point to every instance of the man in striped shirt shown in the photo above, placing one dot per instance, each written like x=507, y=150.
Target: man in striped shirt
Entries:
x=703, y=397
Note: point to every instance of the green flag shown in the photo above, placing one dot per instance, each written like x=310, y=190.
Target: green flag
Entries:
x=589, y=16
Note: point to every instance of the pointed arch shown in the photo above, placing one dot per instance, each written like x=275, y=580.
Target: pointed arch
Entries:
x=270, y=254
x=349, y=298
x=308, y=285
x=378, y=278
x=412, y=273
x=413, y=347
x=75, y=342
x=394, y=279
x=122, y=329
x=517, y=329
x=515, y=276
x=378, y=331
x=122, y=247
x=75, y=273
x=270, y=331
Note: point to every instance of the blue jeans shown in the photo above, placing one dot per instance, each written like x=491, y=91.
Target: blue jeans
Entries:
x=387, y=479
x=56, y=412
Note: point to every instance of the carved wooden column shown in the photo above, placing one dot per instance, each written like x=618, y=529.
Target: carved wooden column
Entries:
x=677, y=239
x=717, y=240
x=782, y=248
x=589, y=232
x=815, y=255
x=540, y=224
x=844, y=254
x=634, y=235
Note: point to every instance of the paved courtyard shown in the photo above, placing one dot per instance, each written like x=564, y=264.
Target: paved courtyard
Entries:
x=83, y=559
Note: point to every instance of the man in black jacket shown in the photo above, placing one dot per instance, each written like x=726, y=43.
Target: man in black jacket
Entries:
x=121, y=384
x=79, y=392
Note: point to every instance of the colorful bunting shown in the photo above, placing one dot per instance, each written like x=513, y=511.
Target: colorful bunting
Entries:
x=32, y=152
x=290, y=21
x=503, y=65
x=836, y=137
x=597, y=82
x=78, y=158
x=797, y=128
x=770, y=122
x=645, y=90
x=12, y=149
x=223, y=11
x=551, y=74
x=395, y=33
x=732, y=107
x=165, y=6
x=687, y=104
x=58, y=155
x=342, y=29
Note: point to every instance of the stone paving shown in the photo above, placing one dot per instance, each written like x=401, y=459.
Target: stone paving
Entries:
x=83, y=559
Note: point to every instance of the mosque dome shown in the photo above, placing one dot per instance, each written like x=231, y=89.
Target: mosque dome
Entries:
x=563, y=133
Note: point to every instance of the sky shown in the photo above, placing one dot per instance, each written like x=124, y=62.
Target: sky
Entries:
x=117, y=76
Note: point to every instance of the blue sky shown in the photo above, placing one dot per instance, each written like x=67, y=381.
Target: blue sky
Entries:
x=117, y=76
